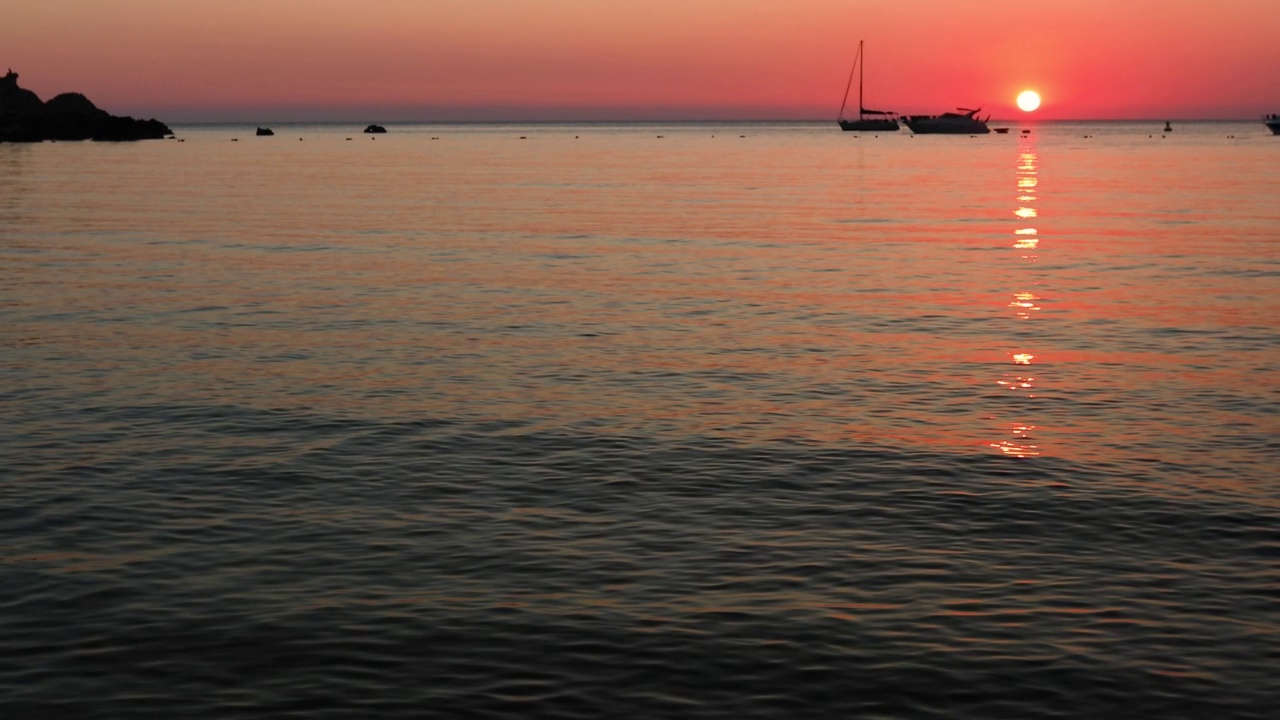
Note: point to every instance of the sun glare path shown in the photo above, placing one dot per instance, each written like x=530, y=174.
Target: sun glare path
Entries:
x=1029, y=100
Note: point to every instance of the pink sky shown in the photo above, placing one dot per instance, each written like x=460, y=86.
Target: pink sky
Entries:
x=657, y=59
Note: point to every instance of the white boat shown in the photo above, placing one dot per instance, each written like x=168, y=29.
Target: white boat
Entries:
x=880, y=120
x=965, y=122
x=1272, y=122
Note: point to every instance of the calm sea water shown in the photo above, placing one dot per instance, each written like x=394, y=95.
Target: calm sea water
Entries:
x=695, y=421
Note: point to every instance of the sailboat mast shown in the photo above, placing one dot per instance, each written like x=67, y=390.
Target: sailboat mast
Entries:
x=862, y=67
x=849, y=85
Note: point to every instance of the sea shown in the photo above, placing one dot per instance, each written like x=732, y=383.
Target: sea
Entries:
x=647, y=420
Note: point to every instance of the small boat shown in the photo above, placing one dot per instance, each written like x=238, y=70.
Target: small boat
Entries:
x=1272, y=122
x=965, y=122
x=265, y=131
x=1000, y=131
x=882, y=120
x=375, y=129
x=1168, y=127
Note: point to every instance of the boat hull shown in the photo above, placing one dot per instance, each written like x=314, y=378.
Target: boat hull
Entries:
x=930, y=125
x=1274, y=126
x=866, y=125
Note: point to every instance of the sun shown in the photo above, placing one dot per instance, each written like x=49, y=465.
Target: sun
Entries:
x=1028, y=100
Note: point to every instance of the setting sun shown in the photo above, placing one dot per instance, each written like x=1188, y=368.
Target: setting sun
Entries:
x=1029, y=100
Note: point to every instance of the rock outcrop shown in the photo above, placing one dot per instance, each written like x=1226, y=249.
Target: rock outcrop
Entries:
x=70, y=116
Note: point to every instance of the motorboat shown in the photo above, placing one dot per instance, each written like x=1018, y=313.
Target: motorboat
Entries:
x=1272, y=122
x=964, y=122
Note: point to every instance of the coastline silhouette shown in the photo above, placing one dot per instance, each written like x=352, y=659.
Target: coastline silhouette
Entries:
x=69, y=116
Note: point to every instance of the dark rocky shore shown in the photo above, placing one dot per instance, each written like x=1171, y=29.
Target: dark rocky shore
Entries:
x=70, y=116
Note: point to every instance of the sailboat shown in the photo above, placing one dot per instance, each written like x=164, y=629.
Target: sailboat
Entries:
x=864, y=123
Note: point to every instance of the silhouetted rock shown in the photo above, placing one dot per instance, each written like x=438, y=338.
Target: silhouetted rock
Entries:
x=70, y=116
x=375, y=129
x=72, y=104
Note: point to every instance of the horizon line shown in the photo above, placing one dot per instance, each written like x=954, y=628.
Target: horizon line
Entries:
x=651, y=121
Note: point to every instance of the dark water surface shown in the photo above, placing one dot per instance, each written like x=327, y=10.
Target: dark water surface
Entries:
x=688, y=421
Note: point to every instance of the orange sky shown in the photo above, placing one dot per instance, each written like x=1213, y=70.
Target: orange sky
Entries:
x=657, y=59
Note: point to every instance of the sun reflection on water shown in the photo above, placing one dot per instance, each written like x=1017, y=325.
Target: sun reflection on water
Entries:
x=1016, y=440
x=1020, y=445
x=1024, y=303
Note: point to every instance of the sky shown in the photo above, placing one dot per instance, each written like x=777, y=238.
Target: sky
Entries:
x=386, y=60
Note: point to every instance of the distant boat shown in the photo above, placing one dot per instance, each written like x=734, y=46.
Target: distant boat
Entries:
x=1000, y=131
x=885, y=120
x=265, y=131
x=965, y=122
x=1272, y=122
x=1168, y=127
x=375, y=129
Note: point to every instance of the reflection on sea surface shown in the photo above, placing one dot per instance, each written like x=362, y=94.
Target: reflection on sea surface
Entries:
x=1016, y=439
x=12, y=182
x=597, y=424
x=1025, y=304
